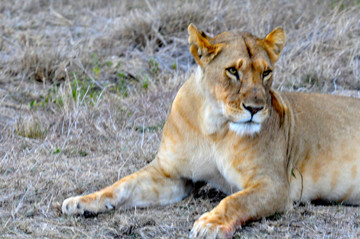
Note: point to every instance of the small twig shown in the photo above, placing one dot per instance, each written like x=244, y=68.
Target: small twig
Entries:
x=49, y=204
x=101, y=93
x=7, y=223
x=68, y=133
x=122, y=166
x=143, y=136
x=61, y=17
x=149, y=6
x=21, y=201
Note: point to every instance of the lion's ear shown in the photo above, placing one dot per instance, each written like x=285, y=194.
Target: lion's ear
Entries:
x=274, y=43
x=200, y=47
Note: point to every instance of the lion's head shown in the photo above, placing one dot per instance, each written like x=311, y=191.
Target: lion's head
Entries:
x=236, y=74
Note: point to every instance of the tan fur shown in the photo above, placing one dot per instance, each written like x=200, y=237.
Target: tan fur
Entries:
x=227, y=127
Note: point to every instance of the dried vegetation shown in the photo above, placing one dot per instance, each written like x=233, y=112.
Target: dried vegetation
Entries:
x=85, y=88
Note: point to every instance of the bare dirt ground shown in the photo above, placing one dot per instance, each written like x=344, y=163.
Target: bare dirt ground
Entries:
x=85, y=88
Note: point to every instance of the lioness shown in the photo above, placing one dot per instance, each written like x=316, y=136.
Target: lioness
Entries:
x=227, y=127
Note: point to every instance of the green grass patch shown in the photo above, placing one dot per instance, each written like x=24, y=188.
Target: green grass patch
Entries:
x=149, y=128
x=153, y=66
x=32, y=129
x=75, y=152
x=84, y=89
x=52, y=97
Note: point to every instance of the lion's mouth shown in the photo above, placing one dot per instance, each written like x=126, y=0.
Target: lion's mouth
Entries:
x=248, y=122
x=248, y=127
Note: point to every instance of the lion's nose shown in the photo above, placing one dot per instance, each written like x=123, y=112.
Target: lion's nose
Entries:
x=252, y=109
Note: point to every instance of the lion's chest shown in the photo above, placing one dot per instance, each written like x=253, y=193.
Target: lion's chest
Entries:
x=224, y=164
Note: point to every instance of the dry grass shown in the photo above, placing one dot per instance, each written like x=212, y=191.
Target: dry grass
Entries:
x=85, y=87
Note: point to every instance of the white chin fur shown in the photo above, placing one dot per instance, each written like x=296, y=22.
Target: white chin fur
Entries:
x=198, y=73
x=245, y=129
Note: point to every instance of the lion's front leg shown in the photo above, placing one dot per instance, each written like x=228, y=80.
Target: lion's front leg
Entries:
x=258, y=200
x=149, y=186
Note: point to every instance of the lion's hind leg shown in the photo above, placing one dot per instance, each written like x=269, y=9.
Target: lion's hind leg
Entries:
x=148, y=186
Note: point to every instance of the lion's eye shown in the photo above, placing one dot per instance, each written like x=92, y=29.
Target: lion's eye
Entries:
x=267, y=74
x=232, y=70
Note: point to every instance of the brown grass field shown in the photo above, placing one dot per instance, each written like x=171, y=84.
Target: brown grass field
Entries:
x=86, y=86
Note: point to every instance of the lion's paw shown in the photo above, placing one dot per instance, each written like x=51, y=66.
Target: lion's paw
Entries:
x=89, y=205
x=210, y=227
x=76, y=206
x=72, y=206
